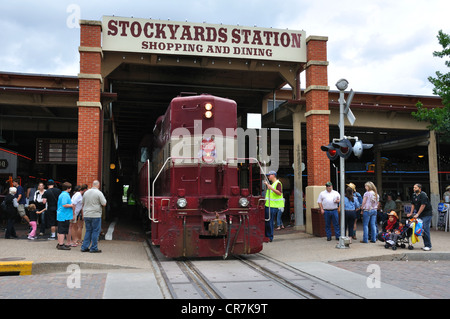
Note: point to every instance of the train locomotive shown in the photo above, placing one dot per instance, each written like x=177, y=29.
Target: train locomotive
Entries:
x=202, y=200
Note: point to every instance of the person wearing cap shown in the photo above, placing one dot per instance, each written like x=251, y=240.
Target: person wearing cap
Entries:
x=328, y=202
x=274, y=201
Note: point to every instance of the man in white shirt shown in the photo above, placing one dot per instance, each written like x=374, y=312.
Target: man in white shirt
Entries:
x=328, y=202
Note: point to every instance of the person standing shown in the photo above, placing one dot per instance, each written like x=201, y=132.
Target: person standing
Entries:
x=358, y=197
x=369, y=207
x=11, y=212
x=351, y=205
x=33, y=221
x=389, y=206
x=40, y=206
x=76, y=224
x=64, y=215
x=274, y=201
x=328, y=202
x=93, y=200
x=446, y=195
x=21, y=200
x=421, y=208
x=50, y=198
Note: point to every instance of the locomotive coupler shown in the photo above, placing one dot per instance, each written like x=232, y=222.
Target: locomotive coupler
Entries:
x=218, y=226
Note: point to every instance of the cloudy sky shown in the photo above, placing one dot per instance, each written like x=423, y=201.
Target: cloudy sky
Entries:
x=382, y=46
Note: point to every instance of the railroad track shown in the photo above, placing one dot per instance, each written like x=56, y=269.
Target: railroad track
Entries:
x=239, y=277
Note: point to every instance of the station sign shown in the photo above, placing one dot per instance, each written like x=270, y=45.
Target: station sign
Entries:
x=56, y=150
x=201, y=39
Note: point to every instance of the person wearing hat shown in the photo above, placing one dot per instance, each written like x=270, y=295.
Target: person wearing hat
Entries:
x=358, y=196
x=397, y=230
x=328, y=202
x=447, y=194
x=274, y=201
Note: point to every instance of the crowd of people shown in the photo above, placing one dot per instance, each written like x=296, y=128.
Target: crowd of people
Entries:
x=366, y=207
x=62, y=211
x=369, y=207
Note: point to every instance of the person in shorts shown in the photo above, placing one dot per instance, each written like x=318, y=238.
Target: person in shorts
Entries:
x=21, y=200
x=50, y=198
x=64, y=215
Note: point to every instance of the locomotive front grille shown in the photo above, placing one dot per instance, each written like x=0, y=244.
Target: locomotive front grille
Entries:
x=212, y=205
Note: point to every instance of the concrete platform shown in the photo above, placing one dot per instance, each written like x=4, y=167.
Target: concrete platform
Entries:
x=124, y=270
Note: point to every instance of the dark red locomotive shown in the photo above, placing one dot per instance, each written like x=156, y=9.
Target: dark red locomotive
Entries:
x=201, y=199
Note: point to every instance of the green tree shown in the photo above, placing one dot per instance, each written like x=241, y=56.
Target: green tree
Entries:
x=439, y=118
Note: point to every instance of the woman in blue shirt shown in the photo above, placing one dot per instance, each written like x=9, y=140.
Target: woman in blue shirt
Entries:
x=351, y=204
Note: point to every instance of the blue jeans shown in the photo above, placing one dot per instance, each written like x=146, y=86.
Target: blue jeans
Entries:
x=93, y=227
x=269, y=224
x=332, y=216
x=279, y=214
x=426, y=230
x=369, y=220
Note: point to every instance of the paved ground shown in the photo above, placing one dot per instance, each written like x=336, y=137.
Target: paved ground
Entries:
x=123, y=270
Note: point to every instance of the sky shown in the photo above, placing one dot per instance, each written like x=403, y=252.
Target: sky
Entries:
x=379, y=46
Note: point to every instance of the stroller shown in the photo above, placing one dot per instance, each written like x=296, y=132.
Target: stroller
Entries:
x=404, y=238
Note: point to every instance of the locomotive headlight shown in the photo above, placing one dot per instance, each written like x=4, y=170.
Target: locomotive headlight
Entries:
x=181, y=202
x=208, y=110
x=208, y=114
x=243, y=202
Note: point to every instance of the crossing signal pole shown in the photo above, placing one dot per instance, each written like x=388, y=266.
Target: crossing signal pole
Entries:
x=342, y=148
x=342, y=85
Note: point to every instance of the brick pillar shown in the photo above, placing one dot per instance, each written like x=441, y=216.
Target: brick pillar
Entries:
x=90, y=115
x=317, y=111
x=317, y=122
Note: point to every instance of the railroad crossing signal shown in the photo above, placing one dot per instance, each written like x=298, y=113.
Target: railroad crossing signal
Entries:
x=344, y=148
x=331, y=151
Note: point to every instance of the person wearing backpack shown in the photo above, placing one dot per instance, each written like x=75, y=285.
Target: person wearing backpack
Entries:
x=369, y=207
x=421, y=208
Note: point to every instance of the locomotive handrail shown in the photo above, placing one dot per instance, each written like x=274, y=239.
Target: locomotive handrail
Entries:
x=261, y=169
x=152, y=218
x=250, y=158
x=148, y=188
x=152, y=215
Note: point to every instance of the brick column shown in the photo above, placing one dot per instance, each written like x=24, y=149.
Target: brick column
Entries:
x=317, y=122
x=90, y=115
x=317, y=111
